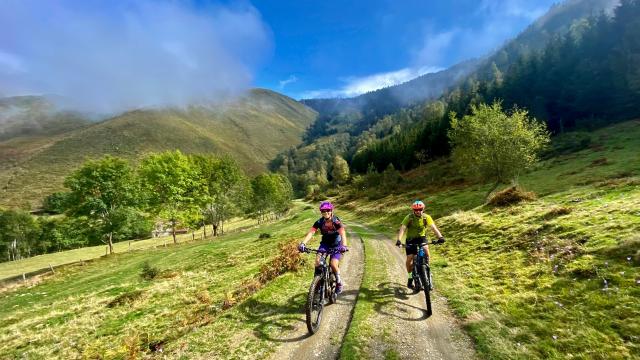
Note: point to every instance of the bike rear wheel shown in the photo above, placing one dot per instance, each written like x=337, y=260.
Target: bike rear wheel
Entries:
x=315, y=304
x=426, y=286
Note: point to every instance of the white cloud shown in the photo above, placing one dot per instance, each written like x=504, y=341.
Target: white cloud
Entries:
x=289, y=80
x=434, y=47
x=355, y=86
x=114, y=56
x=10, y=64
x=500, y=21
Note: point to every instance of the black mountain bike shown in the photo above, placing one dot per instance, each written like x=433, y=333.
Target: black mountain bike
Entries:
x=422, y=277
x=321, y=291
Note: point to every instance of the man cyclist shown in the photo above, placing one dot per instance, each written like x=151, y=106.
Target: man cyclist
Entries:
x=415, y=225
x=333, y=237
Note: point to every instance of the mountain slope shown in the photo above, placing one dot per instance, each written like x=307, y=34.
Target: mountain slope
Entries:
x=359, y=113
x=252, y=130
x=28, y=116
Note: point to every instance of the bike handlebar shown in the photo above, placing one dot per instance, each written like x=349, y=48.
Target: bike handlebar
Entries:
x=432, y=242
x=328, y=252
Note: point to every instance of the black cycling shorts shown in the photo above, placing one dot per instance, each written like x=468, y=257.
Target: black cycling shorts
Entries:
x=413, y=244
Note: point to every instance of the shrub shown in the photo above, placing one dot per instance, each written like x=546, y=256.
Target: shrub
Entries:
x=125, y=298
x=511, y=195
x=149, y=272
x=557, y=211
x=264, y=236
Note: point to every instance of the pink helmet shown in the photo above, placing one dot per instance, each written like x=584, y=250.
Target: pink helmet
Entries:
x=325, y=205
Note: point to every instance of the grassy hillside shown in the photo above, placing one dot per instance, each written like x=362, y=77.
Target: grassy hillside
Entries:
x=556, y=277
x=252, y=130
x=25, y=116
x=194, y=308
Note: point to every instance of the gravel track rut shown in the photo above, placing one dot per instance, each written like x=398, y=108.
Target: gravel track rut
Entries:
x=400, y=322
x=325, y=344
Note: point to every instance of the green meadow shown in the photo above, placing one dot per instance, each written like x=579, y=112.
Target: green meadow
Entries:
x=555, y=277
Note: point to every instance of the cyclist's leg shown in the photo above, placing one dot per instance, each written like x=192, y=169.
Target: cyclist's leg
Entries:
x=409, y=262
x=411, y=253
x=335, y=266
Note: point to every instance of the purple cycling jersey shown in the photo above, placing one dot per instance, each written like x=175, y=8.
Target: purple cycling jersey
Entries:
x=329, y=230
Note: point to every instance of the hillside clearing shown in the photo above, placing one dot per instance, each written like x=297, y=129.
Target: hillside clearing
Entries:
x=554, y=277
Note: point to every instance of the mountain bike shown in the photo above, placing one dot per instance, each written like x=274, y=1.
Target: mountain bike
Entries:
x=421, y=274
x=322, y=290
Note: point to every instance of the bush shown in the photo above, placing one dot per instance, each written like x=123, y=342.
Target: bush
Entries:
x=511, y=195
x=264, y=236
x=125, y=298
x=149, y=272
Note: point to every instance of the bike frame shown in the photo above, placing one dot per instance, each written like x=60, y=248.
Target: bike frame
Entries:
x=421, y=259
x=326, y=272
x=324, y=278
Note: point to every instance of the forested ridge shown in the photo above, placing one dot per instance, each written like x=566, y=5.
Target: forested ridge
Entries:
x=585, y=76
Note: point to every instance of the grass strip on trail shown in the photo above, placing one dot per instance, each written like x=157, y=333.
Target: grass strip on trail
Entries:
x=363, y=331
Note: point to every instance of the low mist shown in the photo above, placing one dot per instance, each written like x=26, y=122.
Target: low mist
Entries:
x=103, y=57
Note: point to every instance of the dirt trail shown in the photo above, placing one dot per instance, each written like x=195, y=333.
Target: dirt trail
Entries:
x=325, y=344
x=401, y=314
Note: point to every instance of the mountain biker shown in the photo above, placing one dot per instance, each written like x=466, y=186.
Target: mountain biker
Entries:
x=416, y=225
x=333, y=237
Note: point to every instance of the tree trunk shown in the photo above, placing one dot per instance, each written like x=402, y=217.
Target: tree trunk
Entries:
x=173, y=230
x=204, y=228
x=111, y=243
x=495, y=186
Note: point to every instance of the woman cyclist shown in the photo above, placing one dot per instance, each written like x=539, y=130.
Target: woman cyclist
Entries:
x=416, y=226
x=333, y=237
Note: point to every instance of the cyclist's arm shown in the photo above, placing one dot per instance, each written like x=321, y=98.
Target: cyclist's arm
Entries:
x=436, y=231
x=403, y=228
x=343, y=236
x=309, y=235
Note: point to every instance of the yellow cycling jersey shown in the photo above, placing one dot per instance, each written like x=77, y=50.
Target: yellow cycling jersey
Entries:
x=417, y=226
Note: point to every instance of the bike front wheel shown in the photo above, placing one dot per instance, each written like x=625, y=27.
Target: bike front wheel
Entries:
x=425, y=278
x=315, y=304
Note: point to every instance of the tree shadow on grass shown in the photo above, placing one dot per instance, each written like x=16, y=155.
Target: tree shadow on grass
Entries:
x=391, y=299
x=277, y=322
x=276, y=319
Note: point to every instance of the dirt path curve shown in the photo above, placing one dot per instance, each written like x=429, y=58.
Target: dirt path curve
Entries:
x=402, y=313
x=325, y=344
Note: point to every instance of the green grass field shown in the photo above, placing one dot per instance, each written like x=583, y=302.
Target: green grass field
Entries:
x=35, y=263
x=105, y=309
x=557, y=277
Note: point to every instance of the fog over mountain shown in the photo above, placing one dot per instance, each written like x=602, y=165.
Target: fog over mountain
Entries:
x=105, y=57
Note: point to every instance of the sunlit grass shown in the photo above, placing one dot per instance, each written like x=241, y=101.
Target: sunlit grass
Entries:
x=556, y=277
x=73, y=313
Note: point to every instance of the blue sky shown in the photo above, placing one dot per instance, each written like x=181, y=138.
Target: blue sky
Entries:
x=342, y=48
x=117, y=55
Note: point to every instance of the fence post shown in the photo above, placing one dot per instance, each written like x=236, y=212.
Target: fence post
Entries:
x=51, y=267
x=24, y=277
x=193, y=236
x=129, y=245
x=106, y=251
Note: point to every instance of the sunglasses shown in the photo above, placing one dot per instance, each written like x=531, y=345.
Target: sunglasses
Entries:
x=417, y=210
x=325, y=211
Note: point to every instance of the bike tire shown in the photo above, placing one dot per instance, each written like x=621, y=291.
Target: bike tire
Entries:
x=424, y=278
x=314, y=306
x=331, y=289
